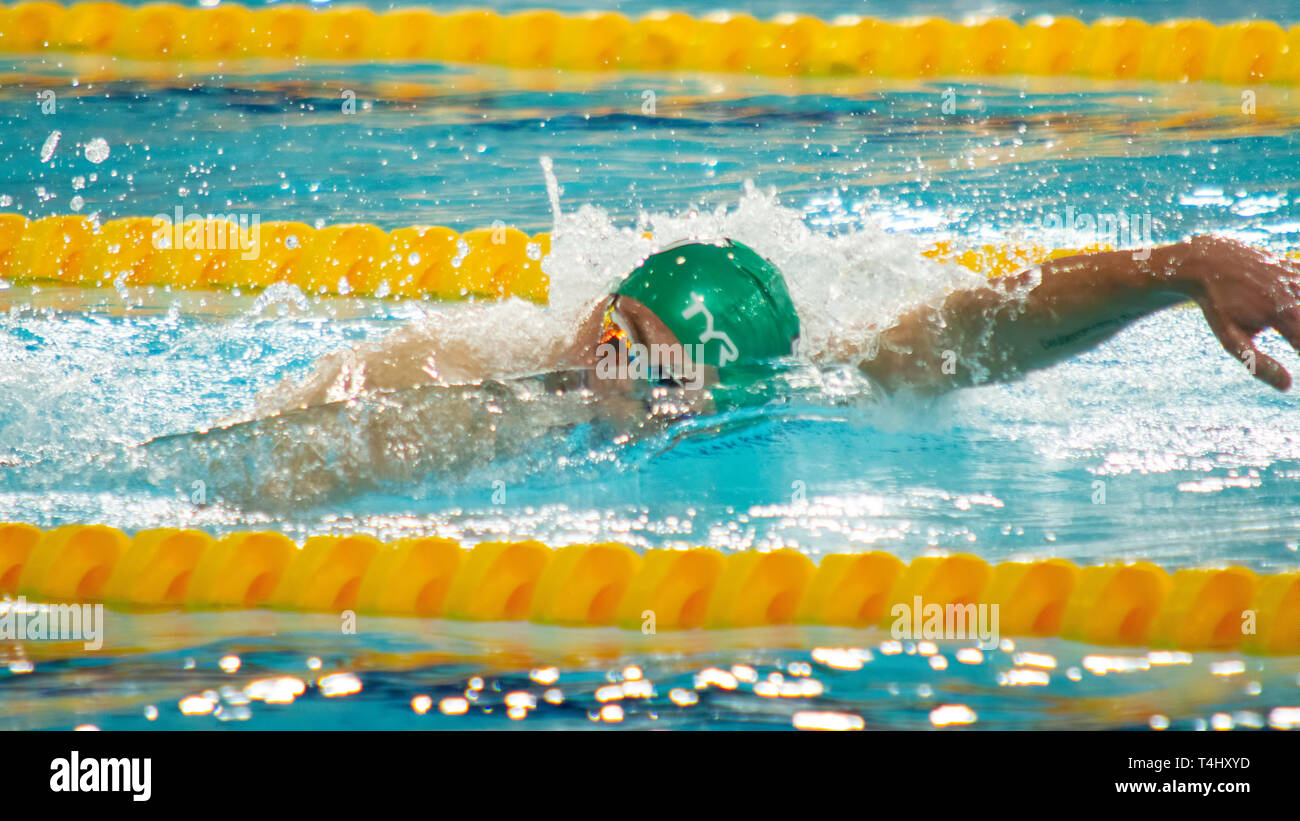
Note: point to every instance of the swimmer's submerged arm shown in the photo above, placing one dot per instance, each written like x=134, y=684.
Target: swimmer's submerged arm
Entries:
x=407, y=358
x=1026, y=321
x=422, y=353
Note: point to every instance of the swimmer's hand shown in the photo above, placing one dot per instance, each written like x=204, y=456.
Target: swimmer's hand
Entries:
x=1065, y=306
x=1242, y=293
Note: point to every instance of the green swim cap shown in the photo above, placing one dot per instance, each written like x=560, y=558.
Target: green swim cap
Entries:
x=722, y=296
x=729, y=305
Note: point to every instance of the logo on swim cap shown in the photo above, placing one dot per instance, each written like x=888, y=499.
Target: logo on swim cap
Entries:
x=729, y=351
x=747, y=311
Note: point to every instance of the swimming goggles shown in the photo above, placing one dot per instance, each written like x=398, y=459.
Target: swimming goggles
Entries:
x=614, y=330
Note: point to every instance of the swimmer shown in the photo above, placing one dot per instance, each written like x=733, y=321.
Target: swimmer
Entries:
x=690, y=332
x=706, y=313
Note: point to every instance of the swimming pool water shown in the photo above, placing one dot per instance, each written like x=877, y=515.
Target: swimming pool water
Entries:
x=1197, y=464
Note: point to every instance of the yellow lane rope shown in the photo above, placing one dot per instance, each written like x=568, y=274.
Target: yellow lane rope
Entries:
x=361, y=260
x=1134, y=604
x=1111, y=48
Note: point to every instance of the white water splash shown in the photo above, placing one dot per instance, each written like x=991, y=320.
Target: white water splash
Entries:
x=846, y=287
x=552, y=187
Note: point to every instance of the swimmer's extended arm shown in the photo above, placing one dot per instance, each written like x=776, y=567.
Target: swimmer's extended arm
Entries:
x=1020, y=322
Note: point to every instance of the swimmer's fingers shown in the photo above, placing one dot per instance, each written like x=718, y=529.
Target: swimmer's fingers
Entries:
x=1288, y=324
x=1241, y=345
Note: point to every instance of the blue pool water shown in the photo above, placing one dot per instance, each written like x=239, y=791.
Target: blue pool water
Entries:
x=841, y=183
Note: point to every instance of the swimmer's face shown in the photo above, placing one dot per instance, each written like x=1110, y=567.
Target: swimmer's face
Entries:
x=633, y=343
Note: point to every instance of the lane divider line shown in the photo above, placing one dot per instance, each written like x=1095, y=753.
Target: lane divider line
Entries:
x=587, y=585
x=1188, y=50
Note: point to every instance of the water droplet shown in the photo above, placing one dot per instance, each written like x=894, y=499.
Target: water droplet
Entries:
x=462, y=251
x=97, y=150
x=51, y=143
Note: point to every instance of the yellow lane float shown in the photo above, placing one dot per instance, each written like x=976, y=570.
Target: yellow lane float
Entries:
x=589, y=585
x=787, y=45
